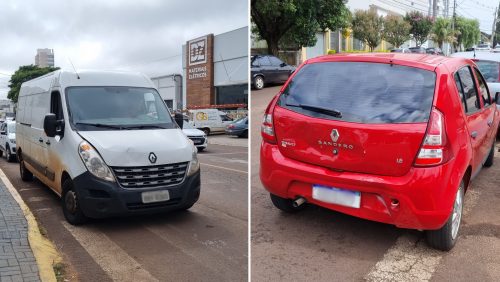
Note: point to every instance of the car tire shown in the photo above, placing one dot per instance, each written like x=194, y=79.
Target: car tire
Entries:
x=258, y=82
x=1, y=153
x=10, y=158
x=445, y=238
x=26, y=175
x=200, y=149
x=244, y=134
x=491, y=156
x=285, y=205
x=70, y=204
x=206, y=131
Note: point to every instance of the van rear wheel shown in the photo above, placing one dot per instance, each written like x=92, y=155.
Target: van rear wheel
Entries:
x=206, y=131
x=445, y=238
x=71, y=206
x=285, y=205
x=26, y=175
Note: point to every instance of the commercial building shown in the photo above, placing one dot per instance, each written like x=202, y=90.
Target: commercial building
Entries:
x=170, y=89
x=215, y=70
x=44, y=57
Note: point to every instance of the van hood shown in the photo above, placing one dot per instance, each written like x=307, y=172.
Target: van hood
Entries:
x=132, y=147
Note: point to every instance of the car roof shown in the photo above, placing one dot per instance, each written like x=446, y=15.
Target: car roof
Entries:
x=424, y=61
x=489, y=56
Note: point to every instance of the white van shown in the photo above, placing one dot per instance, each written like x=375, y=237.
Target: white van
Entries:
x=209, y=120
x=106, y=143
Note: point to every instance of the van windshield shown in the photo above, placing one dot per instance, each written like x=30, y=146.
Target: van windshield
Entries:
x=116, y=108
x=361, y=92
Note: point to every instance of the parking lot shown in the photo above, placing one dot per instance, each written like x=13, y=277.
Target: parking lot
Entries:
x=208, y=242
x=321, y=245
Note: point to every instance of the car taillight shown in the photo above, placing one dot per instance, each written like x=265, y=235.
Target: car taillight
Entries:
x=267, y=128
x=230, y=126
x=434, y=150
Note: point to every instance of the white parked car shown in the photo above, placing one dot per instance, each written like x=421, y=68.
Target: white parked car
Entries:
x=198, y=137
x=106, y=144
x=483, y=47
x=8, y=140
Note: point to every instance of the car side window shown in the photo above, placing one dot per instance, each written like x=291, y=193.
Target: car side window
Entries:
x=485, y=93
x=460, y=92
x=264, y=61
x=275, y=61
x=469, y=90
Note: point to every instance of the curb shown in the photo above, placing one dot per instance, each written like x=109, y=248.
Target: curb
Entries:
x=44, y=250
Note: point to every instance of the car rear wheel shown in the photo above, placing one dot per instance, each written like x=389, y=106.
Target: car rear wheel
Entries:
x=71, y=205
x=491, y=156
x=285, y=205
x=244, y=134
x=26, y=175
x=258, y=82
x=445, y=238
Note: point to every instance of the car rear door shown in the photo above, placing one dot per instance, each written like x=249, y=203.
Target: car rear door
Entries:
x=280, y=69
x=475, y=115
x=489, y=111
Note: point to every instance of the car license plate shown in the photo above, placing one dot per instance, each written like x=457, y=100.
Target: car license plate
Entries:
x=337, y=196
x=155, y=196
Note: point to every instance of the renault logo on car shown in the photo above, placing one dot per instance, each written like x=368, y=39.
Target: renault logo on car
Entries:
x=335, y=135
x=152, y=157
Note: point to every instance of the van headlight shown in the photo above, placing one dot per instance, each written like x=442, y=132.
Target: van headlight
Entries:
x=194, y=165
x=93, y=161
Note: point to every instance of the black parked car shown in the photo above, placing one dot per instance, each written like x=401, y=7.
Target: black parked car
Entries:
x=238, y=128
x=434, y=51
x=419, y=50
x=267, y=69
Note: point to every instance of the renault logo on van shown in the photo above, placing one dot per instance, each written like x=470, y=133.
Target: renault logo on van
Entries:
x=152, y=157
x=335, y=135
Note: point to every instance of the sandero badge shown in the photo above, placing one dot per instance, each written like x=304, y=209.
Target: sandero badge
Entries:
x=152, y=157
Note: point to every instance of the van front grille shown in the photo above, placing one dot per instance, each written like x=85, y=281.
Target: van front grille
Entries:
x=151, y=176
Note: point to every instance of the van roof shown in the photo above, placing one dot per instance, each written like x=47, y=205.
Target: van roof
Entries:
x=425, y=61
x=65, y=78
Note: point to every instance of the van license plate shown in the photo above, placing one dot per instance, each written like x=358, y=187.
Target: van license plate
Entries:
x=337, y=196
x=155, y=196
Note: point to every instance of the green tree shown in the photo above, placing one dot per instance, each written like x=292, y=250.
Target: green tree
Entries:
x=23, y=74
x=420, y=26
x=367, y=26
x=468, y=32
x=442, y=32
x=296, y=21
x=396, y=30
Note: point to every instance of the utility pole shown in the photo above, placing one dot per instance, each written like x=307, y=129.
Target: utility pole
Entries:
x=493, y=28
x=434, y=8
x=453, y=21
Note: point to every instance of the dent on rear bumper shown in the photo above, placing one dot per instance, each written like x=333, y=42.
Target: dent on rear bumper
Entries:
x=99, y=199
x=425, y=195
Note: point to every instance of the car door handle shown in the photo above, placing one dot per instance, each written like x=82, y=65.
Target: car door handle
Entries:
x=490, y=122
x=40, y=140
x=473, y=134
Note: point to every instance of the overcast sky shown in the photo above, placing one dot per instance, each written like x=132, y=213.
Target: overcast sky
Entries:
x=143, y=35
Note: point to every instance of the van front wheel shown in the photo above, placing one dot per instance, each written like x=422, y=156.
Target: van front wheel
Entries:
x=71, y=206
x=445, y=238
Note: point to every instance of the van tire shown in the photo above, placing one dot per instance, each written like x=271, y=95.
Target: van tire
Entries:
x=26, y=175
x=70, y=205
x=10, y=158
x=206, y=131
x=285, y=205
x=442, y=239
x=491, y=156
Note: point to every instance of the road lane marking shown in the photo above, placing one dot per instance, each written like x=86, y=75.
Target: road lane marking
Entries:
x=410, y=258
x=108, y=255
x=226, y=168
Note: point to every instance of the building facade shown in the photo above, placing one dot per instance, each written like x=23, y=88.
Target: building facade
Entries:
x=44, y=58
x=170, y=89
x=215, y=70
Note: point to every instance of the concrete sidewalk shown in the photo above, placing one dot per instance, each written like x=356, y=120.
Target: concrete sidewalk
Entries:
x=17, y=262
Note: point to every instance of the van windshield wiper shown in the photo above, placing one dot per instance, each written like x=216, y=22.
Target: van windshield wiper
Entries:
x=318, y=109
x=145, y=126
x=101, y=125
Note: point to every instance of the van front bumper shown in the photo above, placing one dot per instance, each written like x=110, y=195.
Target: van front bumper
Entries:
x=99, y=198
x=425, y=195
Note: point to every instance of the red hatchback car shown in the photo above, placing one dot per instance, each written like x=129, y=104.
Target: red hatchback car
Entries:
x=394, y=138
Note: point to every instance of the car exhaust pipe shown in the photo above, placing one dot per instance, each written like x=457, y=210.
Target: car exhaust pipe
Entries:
x=299, y=202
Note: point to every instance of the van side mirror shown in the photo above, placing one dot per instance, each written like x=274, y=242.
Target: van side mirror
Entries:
x=179, y=119
x=52, y=126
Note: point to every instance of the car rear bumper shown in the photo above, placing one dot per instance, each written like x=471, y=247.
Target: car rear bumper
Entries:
x=425, y=195
x=99, y=199
x=235, y=131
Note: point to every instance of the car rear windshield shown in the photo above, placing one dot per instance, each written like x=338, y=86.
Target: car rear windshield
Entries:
x=361, y=92
x=489, y=69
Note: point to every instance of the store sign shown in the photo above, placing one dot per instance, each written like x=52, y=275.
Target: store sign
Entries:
x=197, y=72
x=198, y=51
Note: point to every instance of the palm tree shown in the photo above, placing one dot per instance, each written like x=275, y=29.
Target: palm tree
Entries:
x=442, y=32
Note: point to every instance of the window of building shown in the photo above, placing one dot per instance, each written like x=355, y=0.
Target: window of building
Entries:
x=231, y=94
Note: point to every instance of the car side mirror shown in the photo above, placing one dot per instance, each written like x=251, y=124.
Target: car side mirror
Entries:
x=179, y=119
x=3, y=132
x=283, y=65
x=52, y=126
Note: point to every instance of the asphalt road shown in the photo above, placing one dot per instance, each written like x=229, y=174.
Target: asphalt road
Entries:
x=322, y=245
x=209, y=242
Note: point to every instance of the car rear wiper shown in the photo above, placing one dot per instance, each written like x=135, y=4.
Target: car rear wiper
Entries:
x=318, y=109
x=101, y=125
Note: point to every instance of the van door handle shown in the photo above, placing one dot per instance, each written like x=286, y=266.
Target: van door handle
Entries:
x=48, y=142
x=40, y=140
x=473, y=134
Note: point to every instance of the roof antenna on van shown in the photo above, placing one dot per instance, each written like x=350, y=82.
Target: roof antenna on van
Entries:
x=77, y=76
